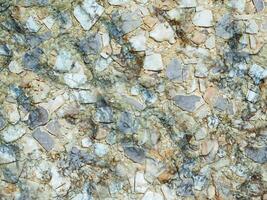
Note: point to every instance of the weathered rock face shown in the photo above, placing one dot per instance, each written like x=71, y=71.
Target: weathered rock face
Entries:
x=133, y=99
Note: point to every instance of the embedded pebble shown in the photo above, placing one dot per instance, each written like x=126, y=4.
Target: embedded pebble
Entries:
x=13, y=133
x=187, y=103
x=162, y=32
x=203, y=18
x=153, y=62
x=44, y=139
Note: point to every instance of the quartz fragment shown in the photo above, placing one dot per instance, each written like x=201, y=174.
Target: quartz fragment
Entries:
x=174, y=70
x=88, y=13
x=252, y=27
x=203, y=18
x=257, y=73
x=163, y=32
x=187, y=103
x=104, y=114
x=129, y=21
x=44, y=139
x=153, y=62
x=76, y=77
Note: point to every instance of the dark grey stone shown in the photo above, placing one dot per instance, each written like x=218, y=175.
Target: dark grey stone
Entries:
x=44, y=139
x=37, y=117
x=136, y=154
x=258, y=155
x=187, y=103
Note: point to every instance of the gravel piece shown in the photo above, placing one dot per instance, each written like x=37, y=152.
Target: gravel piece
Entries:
x=44, y=139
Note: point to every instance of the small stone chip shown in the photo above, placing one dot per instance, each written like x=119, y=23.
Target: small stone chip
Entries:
x=259, y=5
x=44, y=139
x=187, y=103
x=136, y=154
x=258, y=155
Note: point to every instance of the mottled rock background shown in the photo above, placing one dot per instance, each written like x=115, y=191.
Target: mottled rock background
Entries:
x=133, y=99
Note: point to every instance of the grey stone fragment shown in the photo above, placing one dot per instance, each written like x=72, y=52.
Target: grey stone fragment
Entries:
x=257, y=73
x=2, y=122
x=104, y=114
x=187, y=103
x=5, y=51
x=92, y=44
x=7, y=154
x=128, y=21
x=222, y=104
x=174, y=70
x=199, y=182
x=53, y=127
x=31, y=59
x=185, y=189
x=126, y=123
x=37, y=117
x=44, y=139
x=258, y=155
x=259, y=5
x=136, y=154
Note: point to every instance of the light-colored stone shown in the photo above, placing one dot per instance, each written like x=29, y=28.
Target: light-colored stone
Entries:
x=88, y=13
x=141, y=184
x=7, y=154
x=138, y=42
x=252, y=27
x=163, y=32
x=59, y=183
x=101, y=149
x=13, y=133
x=188, y=3
x=201, y=71
x=203, y=18
x=32, y=24
x=149, y=195
x=85, y=96
x=64, y=61
x=86, y=142
x=118, y=2
x=208, y=146
x=13, y=115
x=252, y=96
x=239, y=5
x=49, y=21
x=153, y=62
x=15, y=67
x=76, y=78
x=102, y=63
x=210, y=42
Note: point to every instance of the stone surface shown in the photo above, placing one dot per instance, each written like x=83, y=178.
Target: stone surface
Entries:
x=203, y=18
x=64, y=61
x=258, y=155
x=37, y=117
x=7, y=154
x=136, y=154
x=259, y=5
x=44, y=139
x=162, y=32
x=153, y=62
x=13, y=133
x=88, y=13
x=187, y=103
x=188, y=3
x=138, y=42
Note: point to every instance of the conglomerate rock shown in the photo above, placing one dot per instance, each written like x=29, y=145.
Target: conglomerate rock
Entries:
x=133, y=99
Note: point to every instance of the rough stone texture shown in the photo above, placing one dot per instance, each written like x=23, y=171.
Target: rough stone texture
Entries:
x=44, y=139
x=133, y=99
